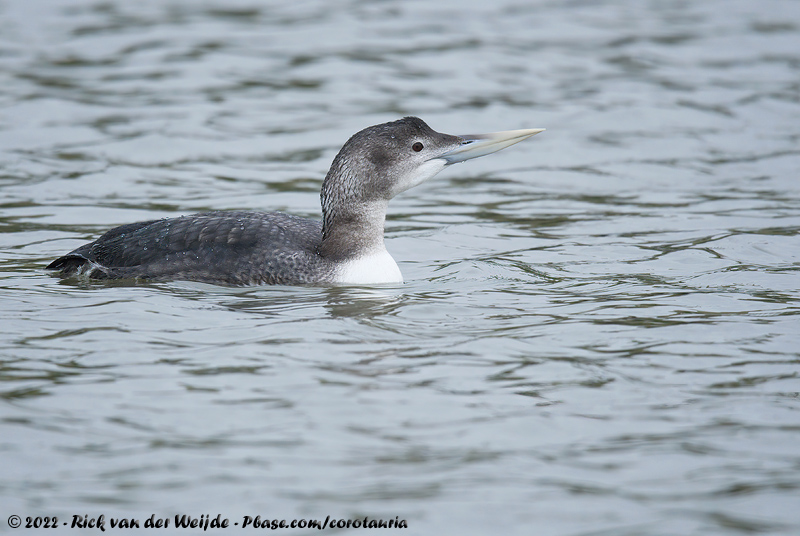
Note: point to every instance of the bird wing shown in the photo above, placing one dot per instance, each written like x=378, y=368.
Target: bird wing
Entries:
x=235, y=248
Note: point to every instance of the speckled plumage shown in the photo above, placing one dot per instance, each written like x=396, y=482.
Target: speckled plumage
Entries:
x=232, y=248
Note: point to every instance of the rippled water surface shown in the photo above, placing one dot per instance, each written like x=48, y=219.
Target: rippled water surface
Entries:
x=599, y=332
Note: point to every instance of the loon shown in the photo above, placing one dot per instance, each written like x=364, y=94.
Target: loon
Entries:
x=255, y=248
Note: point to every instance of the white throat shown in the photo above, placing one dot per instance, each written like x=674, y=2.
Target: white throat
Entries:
x=418, y=175
x=374, y=267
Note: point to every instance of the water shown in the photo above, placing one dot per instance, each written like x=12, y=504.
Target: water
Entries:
x=599, y=331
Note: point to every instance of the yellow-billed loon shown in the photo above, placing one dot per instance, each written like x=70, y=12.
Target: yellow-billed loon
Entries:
x=255, y=248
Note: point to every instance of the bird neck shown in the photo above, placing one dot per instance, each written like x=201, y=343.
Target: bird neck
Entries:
x=352, y=229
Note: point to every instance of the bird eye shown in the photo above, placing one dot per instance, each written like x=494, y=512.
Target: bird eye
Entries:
x=417, y=147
